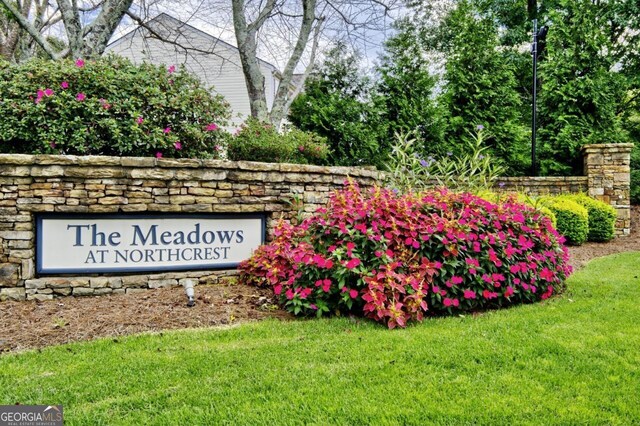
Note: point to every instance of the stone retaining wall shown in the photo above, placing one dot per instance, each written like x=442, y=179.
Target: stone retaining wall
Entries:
x=70, y=184
x=544, y=185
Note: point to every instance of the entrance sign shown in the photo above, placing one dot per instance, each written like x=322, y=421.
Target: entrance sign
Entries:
x=69, y=243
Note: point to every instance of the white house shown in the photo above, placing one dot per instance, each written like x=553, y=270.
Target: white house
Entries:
x=214, y=61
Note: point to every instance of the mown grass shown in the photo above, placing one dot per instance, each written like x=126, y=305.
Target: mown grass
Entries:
x=572, y=360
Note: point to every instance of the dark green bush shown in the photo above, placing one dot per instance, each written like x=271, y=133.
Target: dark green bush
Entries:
x=257, y=141
x=108, y=107
x=572, y=219
x=602, y=218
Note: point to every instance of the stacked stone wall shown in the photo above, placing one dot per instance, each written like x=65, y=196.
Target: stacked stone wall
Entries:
x=551, y=185
x=70, y=184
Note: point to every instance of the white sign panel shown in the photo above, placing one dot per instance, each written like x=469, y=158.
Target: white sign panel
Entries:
x=132, y=243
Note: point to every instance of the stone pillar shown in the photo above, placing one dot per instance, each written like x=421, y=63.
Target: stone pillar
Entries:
x=607, y=167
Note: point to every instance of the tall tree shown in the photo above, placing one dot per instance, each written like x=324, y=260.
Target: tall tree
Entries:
x=481, y=87
x=246, y=35
x=306, y=21
x=337, y=104
x=589, y=78
x=406, y=88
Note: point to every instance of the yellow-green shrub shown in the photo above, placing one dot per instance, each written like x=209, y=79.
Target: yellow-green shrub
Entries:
x=572, y=218
x=501, y=198
x=602, y=217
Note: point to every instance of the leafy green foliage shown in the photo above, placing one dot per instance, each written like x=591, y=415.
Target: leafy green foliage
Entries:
x=472, y=170
x=602, y=218
x=258, y=141
x=588, y=75
x=588, y=84
x=405, y=90
x=582, y=95
x=107, y=107
x=336, y=105
x=481, y=87
x=572, y=218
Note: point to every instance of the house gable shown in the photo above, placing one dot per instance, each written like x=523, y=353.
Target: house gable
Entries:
x=216, y=63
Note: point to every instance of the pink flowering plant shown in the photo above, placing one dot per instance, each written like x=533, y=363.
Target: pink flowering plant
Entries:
x=397, y=258
x=108, y=107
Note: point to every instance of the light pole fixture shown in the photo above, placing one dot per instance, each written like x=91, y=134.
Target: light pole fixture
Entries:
x=539, y=36
x=188, y=289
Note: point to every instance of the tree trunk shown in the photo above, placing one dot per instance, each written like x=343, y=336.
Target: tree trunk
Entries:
x=72, y=26
x=280, y=103
x=101, y=29
x=89, y=41
x=247, y=46
x=12, y=33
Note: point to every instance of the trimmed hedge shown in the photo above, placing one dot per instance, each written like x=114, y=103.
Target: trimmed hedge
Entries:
x=518, y=197
x=566, y=216
x=257, y=141
x=602, y=217
x=572, y=218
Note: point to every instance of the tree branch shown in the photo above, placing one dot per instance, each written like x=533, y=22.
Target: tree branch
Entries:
x=72, y=25
x=312, y=57
x=262, y=16
x=247, y=49
x=104, y=25
x=29, y=28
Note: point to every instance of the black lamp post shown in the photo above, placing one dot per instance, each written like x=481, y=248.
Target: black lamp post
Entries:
x=539, y=37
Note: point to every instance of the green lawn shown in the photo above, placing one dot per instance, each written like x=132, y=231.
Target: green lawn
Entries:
x=572, y=360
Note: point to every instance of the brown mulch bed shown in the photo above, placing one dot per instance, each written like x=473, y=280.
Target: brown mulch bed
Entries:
x=32, y=324
x=579, y=256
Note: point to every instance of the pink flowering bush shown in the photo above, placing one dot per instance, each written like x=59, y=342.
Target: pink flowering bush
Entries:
x=108, y=107
x=397, y=258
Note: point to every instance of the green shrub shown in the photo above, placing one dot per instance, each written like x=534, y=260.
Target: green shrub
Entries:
x=602, y=218
x=517, y=197
x=257, y=141
x=107, y=107
x=572, y=219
